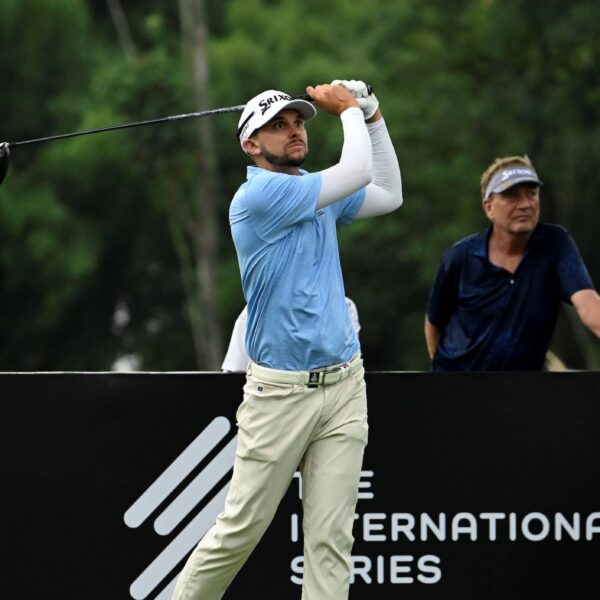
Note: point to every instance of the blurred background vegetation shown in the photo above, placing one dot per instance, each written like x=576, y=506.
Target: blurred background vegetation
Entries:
x=115, y=249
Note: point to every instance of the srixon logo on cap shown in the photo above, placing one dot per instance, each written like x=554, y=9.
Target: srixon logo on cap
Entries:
x=517, y=171
x=266, y=103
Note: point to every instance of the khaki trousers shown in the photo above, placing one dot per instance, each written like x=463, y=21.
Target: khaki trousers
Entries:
x=282, y=426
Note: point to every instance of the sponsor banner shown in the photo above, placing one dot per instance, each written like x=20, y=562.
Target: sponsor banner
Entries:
x=473, y=486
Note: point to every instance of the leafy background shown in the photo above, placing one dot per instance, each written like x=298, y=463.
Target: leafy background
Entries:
x=115, y=248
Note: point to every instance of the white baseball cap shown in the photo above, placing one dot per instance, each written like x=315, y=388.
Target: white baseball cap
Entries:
x=262, y=108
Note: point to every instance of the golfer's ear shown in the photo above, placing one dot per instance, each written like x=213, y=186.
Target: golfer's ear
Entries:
x=487, y=208
x=249, y=147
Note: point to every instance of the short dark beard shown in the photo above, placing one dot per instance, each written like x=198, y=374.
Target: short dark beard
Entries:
x=282, y=161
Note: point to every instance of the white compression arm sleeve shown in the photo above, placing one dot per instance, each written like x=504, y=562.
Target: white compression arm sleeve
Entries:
x=384, y=194
x=354, y=169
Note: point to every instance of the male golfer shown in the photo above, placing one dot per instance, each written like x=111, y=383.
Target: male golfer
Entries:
x=304, y=399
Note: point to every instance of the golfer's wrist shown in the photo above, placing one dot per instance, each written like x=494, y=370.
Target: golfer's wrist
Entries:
x=351, y=113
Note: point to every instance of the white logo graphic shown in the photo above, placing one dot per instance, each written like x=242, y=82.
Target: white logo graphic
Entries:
x=511, y=172
x=182, y=505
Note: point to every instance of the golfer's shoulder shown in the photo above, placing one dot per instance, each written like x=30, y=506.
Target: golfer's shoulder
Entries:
x=552, y=230
x=460, y=250
x=256, y=185
x=551, y=235
x=262, y=181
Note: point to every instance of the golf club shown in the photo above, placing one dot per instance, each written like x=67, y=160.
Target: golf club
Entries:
x=6, y=146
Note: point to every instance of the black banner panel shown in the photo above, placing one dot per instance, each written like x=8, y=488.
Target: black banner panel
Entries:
x=474, y=486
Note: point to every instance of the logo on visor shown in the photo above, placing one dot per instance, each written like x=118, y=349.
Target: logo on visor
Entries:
x=266, y=103
x=511, y=172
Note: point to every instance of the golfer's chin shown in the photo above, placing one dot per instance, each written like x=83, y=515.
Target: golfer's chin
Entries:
x=296, y=156
x=523, y=226
x=291, y=157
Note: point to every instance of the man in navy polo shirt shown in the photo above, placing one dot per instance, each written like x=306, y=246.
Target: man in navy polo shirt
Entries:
x=494, y=303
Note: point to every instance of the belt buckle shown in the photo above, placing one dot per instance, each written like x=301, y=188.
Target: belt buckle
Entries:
x=313, y=379
x=337, y=374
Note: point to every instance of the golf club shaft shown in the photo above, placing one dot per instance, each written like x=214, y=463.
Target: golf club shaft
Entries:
x=193, y=115
x=182, y=117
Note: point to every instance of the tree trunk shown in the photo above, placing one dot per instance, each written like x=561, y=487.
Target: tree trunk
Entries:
x=204, y=241
x=122, y=27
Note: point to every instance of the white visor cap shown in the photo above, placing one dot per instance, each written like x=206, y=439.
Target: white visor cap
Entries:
x=262, y=108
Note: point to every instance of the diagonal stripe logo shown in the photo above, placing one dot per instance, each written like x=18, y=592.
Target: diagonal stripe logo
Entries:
x=182, y=505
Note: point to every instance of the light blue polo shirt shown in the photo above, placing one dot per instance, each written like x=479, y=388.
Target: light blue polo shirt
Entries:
x=291, y=273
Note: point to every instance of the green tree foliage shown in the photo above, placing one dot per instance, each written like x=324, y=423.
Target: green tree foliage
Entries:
x=129, y=300
x=89, y=266
x=460, y=83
